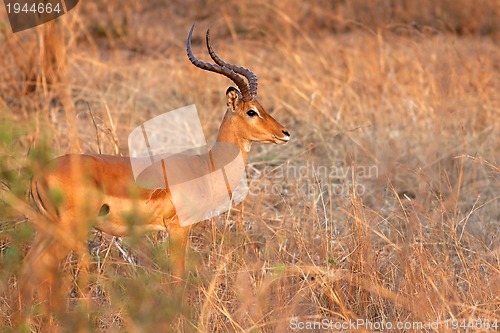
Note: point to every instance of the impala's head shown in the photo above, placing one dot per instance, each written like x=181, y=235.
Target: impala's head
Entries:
x=246, y=114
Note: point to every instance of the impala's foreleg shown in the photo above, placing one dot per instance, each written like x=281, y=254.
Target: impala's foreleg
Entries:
x=179, y=237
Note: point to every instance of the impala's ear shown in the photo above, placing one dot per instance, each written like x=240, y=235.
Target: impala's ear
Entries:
x=233, y=98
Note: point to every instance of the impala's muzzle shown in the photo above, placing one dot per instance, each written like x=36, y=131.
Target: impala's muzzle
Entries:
x=283, y=138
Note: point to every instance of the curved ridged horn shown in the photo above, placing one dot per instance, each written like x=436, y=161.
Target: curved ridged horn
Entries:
x=229, y=73
x=251, y=77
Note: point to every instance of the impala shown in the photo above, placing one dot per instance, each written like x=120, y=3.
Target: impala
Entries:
x=78, y=192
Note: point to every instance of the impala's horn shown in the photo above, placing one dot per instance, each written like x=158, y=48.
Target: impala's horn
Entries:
x=230, y=71
x=250, y=76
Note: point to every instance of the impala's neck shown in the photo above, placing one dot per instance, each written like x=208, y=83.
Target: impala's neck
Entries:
x=228, y=133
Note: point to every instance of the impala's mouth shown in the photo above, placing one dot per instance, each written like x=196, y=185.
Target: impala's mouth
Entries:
x=281, y=141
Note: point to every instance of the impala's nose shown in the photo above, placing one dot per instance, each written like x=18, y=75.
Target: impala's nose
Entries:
x=286, y=136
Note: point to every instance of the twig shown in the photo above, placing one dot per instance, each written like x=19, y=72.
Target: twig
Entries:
x=96, y=129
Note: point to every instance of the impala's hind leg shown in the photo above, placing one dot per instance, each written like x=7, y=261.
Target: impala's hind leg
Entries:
x=28, y=281
x=41, y=272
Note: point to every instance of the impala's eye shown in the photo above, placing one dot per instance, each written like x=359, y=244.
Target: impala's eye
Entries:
x=251, y=113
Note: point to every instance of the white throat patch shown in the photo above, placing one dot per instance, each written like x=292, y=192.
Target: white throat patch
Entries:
x=247, y=146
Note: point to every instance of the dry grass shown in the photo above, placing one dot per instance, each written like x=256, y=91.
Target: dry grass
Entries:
x=384, y=206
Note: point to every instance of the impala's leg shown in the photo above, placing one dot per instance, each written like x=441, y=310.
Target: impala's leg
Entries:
x=179, y=237
x=178, y=245
x=28, y=281
x=45, y=269
x=41, y=272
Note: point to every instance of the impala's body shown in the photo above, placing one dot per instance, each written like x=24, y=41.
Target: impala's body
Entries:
x=81, y=191
x=106, y=191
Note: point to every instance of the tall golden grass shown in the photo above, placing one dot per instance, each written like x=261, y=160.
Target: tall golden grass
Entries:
x=384, y=207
